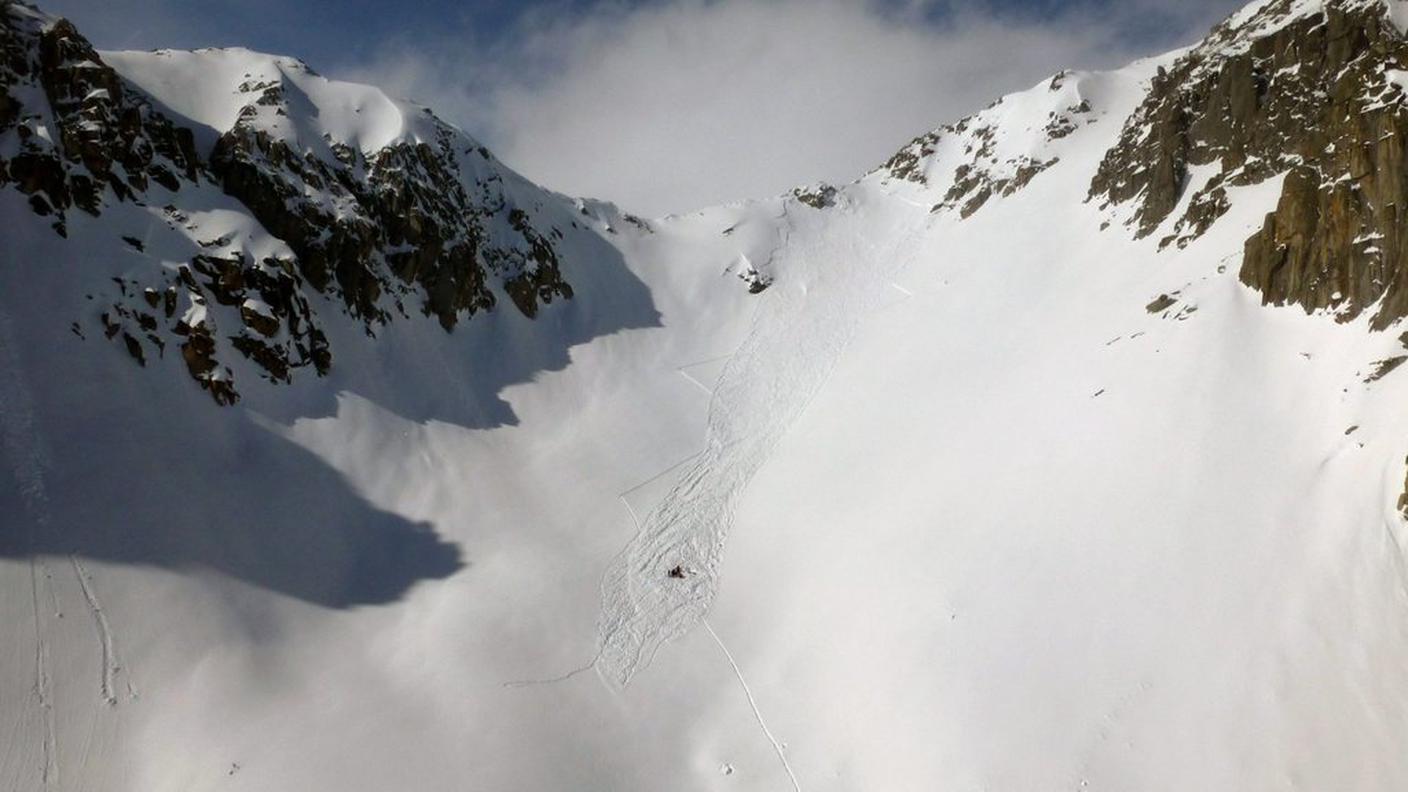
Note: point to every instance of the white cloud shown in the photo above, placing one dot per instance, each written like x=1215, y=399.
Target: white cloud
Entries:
x=669, y=105
x=674, y=106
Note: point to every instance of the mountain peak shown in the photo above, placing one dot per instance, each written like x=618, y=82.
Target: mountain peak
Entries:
x=329, y=188
x=1261, y=18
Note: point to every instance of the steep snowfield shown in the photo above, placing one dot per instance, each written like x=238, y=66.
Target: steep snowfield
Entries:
x=952, y=510
x=205, y=87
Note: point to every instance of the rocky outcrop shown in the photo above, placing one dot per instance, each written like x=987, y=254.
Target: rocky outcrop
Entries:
x=1316, y=95
x=417, y=225
x=984, y=168
x=367, y=227
x=74, y=135
x=1161, y=303
x=973, y=186
x=744, y=269
x=821, y=196
x=982, y=175
x=907, y=163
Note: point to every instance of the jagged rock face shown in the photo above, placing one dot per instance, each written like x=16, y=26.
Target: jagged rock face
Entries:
x=76, y=131
x=983, y=171
x=822, y=196
x=424, y=226
x=274, y=325
x=906, y=163
x=974, y=185
x=365, y=227
x=1318, y=96
x=82, y=138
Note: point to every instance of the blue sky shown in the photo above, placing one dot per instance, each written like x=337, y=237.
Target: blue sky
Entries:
x=670, y=105
x=327, y=33
x=333, y=33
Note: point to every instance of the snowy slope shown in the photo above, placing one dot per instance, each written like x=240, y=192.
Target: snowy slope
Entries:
x=939, y=480
x=205, y=86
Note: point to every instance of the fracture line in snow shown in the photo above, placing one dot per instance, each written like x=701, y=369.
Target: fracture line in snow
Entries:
x=635, y=519
x=714, y=360
x=709, y=360
x=701, y=385
x=784, y=234
x=691, y=378
x=100, y=621
x=522, y=683
x=655, y=478
x=752, y=702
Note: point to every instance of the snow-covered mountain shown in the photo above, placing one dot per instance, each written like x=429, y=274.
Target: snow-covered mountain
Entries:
x=268, y=184
x=1065, y=450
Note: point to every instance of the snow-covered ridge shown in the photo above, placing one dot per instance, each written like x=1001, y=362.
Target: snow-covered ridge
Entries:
x=270, y=179
x=1264, y=18
x=214, y=87
x=1001, y=149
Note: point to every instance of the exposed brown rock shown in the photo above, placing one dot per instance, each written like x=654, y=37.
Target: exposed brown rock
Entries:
x=1314, y=100
x=905, y=164
x=106, y=139
x=1382, y=368
x=199, y=353
x=1403, y=498
x=1161, y=303
x=820, y=197
x=374, y=229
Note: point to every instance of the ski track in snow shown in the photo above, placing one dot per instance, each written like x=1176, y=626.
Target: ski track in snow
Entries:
x=24, y=455
x=43, y=693
x=752, y=702
x=795, y=340
x=100, y=622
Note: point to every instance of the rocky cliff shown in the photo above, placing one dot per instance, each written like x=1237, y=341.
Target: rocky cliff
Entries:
x=981, y=157
x=420, y=223
x=1309, y=90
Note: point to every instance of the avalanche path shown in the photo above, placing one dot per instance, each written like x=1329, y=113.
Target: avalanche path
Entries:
x=830, y=277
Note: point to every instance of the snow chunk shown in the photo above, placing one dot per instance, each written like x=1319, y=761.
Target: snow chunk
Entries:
x=195, y=315
x=259, y=307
